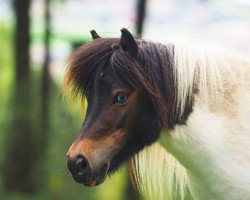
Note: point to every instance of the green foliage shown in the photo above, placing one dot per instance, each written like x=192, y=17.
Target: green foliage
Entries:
x=6, y=77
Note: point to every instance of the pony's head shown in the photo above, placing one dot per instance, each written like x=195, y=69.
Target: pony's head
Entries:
x=129, y=87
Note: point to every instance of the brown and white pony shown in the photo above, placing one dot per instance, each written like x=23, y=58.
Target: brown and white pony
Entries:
x=180, y=111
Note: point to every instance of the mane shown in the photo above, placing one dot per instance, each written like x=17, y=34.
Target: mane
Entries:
x=158, y=175
x=170, y=75
x=200, y=67
x=86, y=65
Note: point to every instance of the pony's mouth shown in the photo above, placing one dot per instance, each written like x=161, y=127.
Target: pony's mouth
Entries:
x=93, y=180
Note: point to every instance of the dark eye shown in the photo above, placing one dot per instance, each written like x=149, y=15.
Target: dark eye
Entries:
x=121, y=98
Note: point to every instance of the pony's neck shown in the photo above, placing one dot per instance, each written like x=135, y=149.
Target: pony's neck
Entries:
x=214, y=144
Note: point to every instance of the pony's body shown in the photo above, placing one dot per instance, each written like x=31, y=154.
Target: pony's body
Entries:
x=214, y=144
x=214, y=148
x=196, y=94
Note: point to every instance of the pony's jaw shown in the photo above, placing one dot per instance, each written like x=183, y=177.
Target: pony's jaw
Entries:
x=89, y=159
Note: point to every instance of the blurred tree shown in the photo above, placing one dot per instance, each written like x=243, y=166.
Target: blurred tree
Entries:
x=26, y=143
x=45, y=81
x=131, y=192
x=141, y=9
x=20, y=148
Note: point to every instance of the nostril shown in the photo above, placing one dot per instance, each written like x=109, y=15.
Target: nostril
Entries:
x=79, y=168
x=81, y=165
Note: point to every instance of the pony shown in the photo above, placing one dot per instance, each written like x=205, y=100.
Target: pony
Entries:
x=178, y=112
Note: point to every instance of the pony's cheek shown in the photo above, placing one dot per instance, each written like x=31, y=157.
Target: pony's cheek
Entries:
x=118, y=139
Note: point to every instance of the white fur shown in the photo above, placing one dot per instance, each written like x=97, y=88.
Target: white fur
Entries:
x=214, y=145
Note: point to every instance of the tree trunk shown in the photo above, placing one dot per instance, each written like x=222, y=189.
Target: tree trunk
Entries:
x=22, y=39
x=141, y=9
x=20, y=148
x=132, y=192
x=45, y=80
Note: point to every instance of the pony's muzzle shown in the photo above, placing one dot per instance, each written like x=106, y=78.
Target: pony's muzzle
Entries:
x=81, y=172
x=79, y=168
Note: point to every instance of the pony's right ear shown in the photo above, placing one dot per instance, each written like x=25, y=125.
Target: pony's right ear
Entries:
x=94, y=34
x=128, y=43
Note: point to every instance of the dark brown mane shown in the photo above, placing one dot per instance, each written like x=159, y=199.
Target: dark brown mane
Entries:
x=151, y=72
x=86, y=64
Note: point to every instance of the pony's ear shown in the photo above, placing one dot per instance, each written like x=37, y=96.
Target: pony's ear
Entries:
x=94, y=34
x=128, y=43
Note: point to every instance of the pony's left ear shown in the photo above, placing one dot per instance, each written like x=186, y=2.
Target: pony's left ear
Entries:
x=94, y=34
x=128, y=43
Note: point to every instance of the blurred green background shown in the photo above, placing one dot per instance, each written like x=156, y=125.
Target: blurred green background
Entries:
x=37, y=125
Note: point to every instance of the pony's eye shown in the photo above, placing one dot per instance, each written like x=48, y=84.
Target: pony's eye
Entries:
x=121, y=98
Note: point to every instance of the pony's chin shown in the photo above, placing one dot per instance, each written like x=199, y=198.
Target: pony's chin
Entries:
x=96, y=182
x=100, y=179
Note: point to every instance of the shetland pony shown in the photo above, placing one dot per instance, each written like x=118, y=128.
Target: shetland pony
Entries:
x=179, y=111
